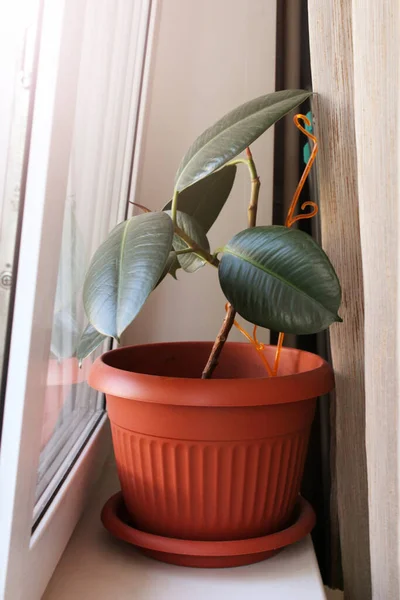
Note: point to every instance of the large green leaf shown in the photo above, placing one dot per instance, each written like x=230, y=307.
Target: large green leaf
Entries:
x=233, y=133
x=281, y=279
x=205, y=199
x=89, y=341
x=171, y=267
x=189, y=262
x=124, y=271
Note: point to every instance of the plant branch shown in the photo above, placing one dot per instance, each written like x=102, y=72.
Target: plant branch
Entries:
x=174, y=206
x=198, y=250
x=186, y=251
x=229, y=319
x=192, y=246
x=255, y=189
x=237, y=161
x=219, y=343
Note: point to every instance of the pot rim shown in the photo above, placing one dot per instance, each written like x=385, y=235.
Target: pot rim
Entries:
x=235, y=392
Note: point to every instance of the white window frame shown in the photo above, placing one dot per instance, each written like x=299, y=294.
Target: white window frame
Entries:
x=28, y=561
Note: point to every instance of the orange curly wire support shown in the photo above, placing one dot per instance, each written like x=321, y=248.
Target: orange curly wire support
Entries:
x=259, y=346
x=290, y=219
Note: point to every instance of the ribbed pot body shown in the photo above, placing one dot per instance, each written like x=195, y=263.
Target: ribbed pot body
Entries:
x=218, y=459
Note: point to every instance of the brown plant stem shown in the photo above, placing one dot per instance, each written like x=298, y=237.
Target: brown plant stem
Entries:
x=198, y=250
x=229, y=319
x=219, y=343
x=255, y=189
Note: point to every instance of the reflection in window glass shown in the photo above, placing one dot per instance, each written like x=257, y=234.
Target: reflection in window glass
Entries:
x=97, y=192
x=71, y=407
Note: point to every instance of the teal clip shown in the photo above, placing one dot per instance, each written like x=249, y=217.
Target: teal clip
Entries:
x=306, y=147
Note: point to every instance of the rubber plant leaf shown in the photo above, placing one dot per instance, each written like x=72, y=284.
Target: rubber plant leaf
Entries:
x=125, y=269
x=171, y=267
x=233, y=133
x=189, y=262
x=205, y=199
x=89, y=341
x=280, y=278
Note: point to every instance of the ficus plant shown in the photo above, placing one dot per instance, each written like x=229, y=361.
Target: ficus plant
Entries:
x=273, y=276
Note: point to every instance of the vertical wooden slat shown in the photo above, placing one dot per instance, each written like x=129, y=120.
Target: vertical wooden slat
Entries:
x=376, y=31
x=332, y=73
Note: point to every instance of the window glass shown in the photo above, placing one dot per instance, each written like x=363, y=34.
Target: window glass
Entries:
x=17, y=49
x=96, y=200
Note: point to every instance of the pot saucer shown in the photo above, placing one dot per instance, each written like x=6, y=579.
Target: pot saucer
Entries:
x=209, y=554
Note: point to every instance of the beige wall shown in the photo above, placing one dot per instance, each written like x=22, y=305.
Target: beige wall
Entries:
x=208, y=57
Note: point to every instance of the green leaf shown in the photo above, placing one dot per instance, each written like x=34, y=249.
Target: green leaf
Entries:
x=189, y=262
x=280, y=278
x=233, y=133
x=89, y=341
x=124, y=271
x=171, y=267
x=205, y=199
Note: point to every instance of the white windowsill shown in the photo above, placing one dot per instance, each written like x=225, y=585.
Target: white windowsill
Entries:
x=95, y=566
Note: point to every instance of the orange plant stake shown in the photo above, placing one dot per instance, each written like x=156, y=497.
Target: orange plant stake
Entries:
x=290, y=219
x=259, y=346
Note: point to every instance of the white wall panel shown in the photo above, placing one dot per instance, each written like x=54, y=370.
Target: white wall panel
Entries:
x=209, y=57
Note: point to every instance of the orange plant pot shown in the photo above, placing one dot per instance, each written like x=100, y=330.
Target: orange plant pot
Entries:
x=219, y=459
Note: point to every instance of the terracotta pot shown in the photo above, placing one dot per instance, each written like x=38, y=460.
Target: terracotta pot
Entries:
x=218, y=459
